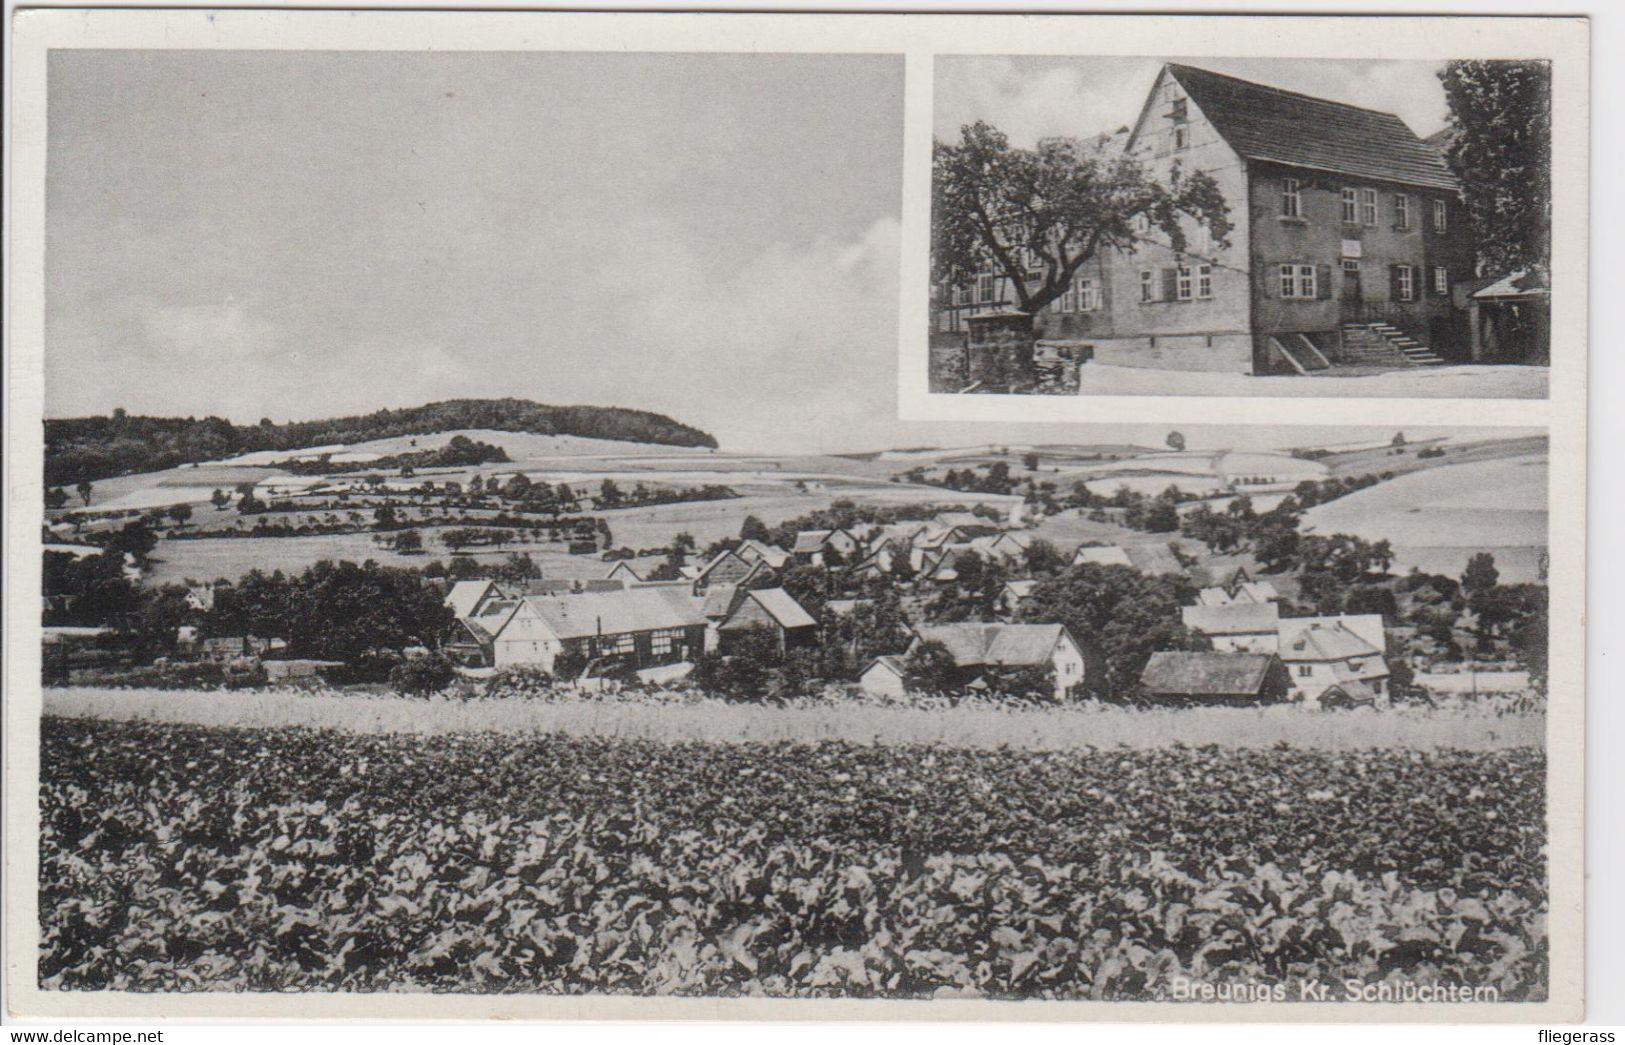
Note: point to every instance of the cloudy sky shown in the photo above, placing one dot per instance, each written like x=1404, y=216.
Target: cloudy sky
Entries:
x=1038, y=97
x=298, y=235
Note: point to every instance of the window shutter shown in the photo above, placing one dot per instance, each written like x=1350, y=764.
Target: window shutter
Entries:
x=1103, y=281
x=1323, y=282
x=1170, y=284
x=1393, y=282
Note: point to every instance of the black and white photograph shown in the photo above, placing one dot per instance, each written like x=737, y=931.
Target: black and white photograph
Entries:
x=486, y=571
x=1279, y=227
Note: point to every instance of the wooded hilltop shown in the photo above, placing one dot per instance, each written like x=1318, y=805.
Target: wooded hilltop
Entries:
x=81, y=448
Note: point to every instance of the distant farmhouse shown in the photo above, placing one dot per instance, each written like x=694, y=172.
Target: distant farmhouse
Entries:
x=590, y=627
x=1348, y=243
x=975, y=648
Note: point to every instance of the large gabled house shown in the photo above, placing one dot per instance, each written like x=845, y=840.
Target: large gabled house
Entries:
x=1348, y=236
x=636, y=627
x=975, y=648
x=1337, y=658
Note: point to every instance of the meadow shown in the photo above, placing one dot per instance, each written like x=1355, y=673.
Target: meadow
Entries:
x=686, y=717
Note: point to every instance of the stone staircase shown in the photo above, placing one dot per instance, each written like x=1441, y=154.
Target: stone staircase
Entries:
x=1383, y=344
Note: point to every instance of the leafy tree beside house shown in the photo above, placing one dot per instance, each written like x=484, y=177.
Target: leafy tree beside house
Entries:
x=1050, y=209
x=1120, y=616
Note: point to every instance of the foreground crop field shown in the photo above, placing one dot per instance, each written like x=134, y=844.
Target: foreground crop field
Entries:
x=185, y=858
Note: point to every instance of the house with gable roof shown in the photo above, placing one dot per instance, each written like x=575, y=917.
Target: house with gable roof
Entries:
x=1236, y=627
x=1348, y=236
x=1339, y=653
x=978, y=647
x=1224, y=679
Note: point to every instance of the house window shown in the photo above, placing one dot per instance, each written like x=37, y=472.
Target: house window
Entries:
x=1351, y=264
x=1146, y=287
x=1182, y=283
x=1402, y=211
x=1035, y=275
x=1291, y=198
x=961, y=295
x=1368, y=206
x=1351, y=207
x=1204, y=281
x=1182, y=138
x=984, y=287
x=1069, y=300
x=1441, y=216
x=1178, y=110
x=1088, y=295
x=1298, y=281
x=1305, y=671
x=662, y=641
x=1441, y=280
x=1404, y=282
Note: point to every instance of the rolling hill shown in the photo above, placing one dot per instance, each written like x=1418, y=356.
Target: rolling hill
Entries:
x=92, y=448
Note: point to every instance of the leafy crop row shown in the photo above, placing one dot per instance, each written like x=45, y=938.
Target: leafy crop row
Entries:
x=184, y=858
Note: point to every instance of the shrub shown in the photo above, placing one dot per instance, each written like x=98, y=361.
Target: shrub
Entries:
x=421, y=676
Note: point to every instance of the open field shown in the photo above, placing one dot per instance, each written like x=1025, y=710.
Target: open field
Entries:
x=182, y=858
x=977, y=726
x=211, y=558
x=1439, y=516
x=1465, y=449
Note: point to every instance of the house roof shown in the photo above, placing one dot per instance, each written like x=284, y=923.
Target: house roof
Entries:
x=564, y=587
x=1327, y=642
x=1279, y=126
x=718, y=559
x=1007, y=645
x=809, y=541
x=1520, y=284
x=1110, y=555
x=1259, y=591
x=786, y=611
x=1206, y=674
x=887, y=662
x=771, y=554
x=464, y=596
x=1368, y=628
x=1236, y=618
x=1154, y=559
x=1020, y=589
x=719, y=601
x=1213, y=597
x=625, y=567
x=616, y=612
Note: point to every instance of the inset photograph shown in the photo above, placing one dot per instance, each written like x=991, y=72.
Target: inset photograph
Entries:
x=1135, y=226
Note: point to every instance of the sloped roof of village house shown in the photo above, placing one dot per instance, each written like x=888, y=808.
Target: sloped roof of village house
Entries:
x=617, y=612
x=1278, y=126
x=1236, y=618
x=1206, y=674
x=1325, y=643
x=1008, y=645
x=779, y=605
